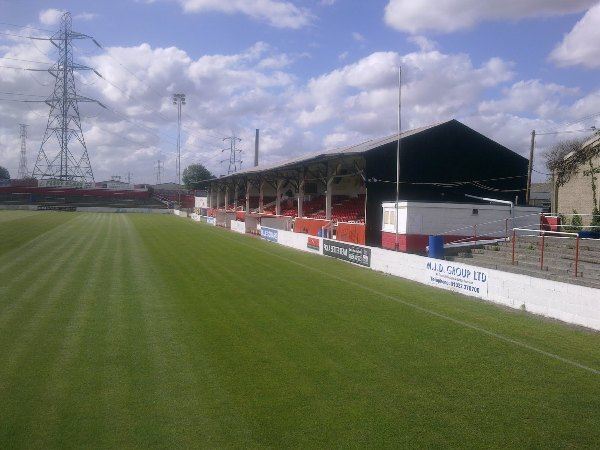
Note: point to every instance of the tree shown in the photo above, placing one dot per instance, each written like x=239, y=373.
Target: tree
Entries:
x=4, y=175
x=564, y=168
x=194, y=174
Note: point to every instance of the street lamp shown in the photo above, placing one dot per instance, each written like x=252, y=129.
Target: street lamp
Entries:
x=179, y=99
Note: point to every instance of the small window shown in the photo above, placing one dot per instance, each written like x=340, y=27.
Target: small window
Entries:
x=475, y=212
x=388, y=217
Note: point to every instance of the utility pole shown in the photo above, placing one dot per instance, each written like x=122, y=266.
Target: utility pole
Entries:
x=23, y=158
x=530, y=169
x=235, y=163
x=178, y=100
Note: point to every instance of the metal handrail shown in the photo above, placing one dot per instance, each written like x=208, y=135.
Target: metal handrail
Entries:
x=491, y=222
x=542, y=234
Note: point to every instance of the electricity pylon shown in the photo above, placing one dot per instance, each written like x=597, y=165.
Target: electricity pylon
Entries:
x=235, y=163
x=66, y=159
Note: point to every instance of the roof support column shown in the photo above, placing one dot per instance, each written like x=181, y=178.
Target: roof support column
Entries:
x=226, y=197
x=328, y=196
x=248, y=186
x=209, y=195
x=218, y=197
x=301, y=195
x=261, y=192
x=235, y=196
x=278, y=198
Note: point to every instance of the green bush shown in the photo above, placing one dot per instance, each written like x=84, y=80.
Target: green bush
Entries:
x=595, y=219
x=576, y=222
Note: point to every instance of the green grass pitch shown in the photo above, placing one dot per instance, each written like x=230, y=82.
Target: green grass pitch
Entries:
x=139, y=331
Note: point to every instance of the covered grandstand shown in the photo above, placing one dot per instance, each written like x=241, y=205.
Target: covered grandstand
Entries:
x=438, y=163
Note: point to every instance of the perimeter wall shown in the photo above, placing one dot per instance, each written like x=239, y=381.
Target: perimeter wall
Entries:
x=570, y=303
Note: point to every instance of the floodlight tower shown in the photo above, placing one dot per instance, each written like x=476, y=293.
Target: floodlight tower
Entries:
x=69, y=161
x=178, y=100
x=23, y=159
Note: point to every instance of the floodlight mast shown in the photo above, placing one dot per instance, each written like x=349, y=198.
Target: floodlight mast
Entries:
x=178, y=100
x=396, y=243
x=23, y=172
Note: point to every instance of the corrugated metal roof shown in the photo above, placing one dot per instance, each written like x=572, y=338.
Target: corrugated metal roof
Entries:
x=355, y=149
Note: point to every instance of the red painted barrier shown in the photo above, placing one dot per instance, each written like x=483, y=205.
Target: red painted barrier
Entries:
x=309, y=226
x=351, y=232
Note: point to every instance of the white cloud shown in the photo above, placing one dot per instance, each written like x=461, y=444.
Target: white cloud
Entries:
x=415, y=16
x=343, y=56
x=527, y=97
x=358, y=37
x=362, y=97
x=50, y=17
x=85, y=16
x=580, y=46
x=277, y=13
x=423, y=43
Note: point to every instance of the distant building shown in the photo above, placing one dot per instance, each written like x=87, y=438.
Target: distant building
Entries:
x=114, y=185
x=577, y=193
x=540, y=196
x=169, y=187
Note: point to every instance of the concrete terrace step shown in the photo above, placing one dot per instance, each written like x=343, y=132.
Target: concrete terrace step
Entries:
x=586, y=253
x=530, y=270
x=550, y=242
x=559, y=259
x=552, y=262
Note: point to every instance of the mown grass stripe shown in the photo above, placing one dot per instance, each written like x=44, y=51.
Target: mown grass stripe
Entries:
x=42, y=302
x=58, y=387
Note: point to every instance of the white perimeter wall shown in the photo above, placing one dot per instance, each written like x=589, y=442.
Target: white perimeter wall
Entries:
x=571, y=303
x=238, y=227
x=578, y=305
x=277, y=222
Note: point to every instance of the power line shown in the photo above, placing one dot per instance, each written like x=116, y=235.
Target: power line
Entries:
x=25, y=60
x=24, y=37
x=22, y=95
x=26, y=27
x=566, y=124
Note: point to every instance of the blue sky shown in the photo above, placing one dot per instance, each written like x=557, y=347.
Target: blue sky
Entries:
x=309, y=74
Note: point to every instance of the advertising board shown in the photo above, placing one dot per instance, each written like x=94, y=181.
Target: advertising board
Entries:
x=456, y=277
x=269, y=234
x=313, y=243
x=347, y=252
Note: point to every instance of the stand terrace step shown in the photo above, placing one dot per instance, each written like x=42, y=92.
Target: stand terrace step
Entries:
x=559, y=259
